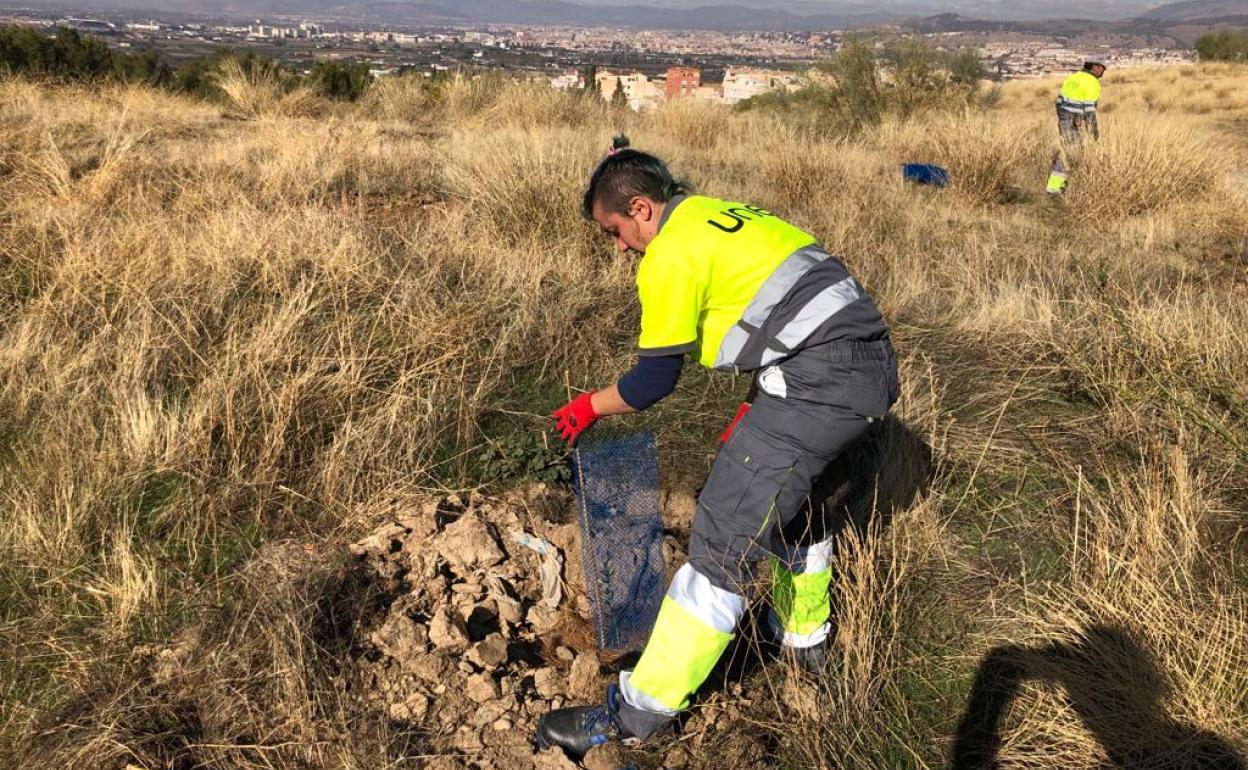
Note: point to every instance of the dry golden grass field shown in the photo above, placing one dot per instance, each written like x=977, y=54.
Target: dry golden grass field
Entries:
x=224, y=329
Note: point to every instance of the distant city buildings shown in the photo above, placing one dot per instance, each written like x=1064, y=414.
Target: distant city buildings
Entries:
x=90, y=26
x=638, y=90
x=647, y=67
x=568, y=80
x=742, y=84
x=682, y=82
x=1039, y=59
x=642, y=92
x=304, y=31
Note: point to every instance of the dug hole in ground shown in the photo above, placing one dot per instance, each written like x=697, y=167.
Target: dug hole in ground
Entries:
x=456, y=635
x=475, y=645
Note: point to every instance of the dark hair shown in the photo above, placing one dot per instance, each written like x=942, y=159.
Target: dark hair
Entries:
x=626, y=173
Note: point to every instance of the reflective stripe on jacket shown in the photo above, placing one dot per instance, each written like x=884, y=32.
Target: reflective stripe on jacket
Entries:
x=1080, y=93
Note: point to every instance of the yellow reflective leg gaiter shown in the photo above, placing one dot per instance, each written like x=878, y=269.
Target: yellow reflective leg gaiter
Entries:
x=801, y=602
x=678, y=658
x=695, y=624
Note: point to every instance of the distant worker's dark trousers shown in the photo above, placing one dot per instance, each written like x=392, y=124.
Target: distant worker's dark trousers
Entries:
x=1072, y=127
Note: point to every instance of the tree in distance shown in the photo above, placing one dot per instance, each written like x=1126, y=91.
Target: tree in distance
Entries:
x=1224, y=45
x=619, y=99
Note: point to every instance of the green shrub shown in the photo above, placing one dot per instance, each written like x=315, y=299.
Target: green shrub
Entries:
x=195, y=78
x=339, y=80
x=857, y=76
x=65, y=54
x=920, y=79
x=201, y=77
x=925, y=78
x=965, y=67
x=1224, y=45
x=526, y=455
x=145, y=67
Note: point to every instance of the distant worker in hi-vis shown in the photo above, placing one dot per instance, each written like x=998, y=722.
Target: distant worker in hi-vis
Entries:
x=1076, y=115
x=737, y=289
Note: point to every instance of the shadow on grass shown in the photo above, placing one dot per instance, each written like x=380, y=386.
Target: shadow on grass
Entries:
x=872, y=482
x=1113, y=683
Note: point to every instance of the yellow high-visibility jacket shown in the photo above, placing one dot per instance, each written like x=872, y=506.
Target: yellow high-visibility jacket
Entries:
x=739, y=288
x=1080, y=93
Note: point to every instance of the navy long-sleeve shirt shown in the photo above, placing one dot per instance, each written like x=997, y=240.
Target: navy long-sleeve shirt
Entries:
x=650, y=380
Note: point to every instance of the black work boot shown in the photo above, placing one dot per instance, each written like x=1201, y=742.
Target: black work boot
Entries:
x=578, y=729
x=812, y=660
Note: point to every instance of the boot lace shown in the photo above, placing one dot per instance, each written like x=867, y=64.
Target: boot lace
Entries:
x=596, y=721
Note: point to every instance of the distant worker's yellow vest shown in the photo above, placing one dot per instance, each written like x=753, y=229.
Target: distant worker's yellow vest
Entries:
x=1080, y=93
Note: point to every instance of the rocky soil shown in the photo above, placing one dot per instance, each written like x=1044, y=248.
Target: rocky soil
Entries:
x=476, y=642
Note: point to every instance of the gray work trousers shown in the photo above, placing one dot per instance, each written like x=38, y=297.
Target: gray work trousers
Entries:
x=1071, y=127
x=762, y=479
x=809, y=408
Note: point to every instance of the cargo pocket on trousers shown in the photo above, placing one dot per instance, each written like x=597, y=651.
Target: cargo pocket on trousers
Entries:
x=869, y=393
x=747, y=476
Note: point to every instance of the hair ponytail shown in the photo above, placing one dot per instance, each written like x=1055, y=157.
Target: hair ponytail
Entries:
x=625, y=174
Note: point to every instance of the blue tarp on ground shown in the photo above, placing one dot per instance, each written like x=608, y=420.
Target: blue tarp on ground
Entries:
x=925, y=173
x=617, y=496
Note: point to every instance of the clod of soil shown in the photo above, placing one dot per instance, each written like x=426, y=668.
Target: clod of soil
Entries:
x=465, y=651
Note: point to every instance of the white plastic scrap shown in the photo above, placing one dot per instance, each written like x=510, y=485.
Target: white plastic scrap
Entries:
x=550, y=570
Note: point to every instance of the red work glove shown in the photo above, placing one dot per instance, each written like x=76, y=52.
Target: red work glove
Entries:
x=573, y=418
x=741, y=410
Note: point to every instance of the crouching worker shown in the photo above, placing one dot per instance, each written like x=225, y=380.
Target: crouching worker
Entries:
x=743, y=291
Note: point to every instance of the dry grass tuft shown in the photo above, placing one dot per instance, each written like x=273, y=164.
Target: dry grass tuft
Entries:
x=1145, y=165
x=986, y=158
x=261, y=92
x=1140, y=659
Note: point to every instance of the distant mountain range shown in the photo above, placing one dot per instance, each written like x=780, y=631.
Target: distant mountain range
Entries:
x=729, y=17
x=1176, y=23
x=1192, y=10
x=724, y=16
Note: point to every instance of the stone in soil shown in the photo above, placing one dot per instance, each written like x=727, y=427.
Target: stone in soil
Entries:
x=400, y=637
x=609, y=756
x=553, y=759
x=547, y=682
x=464, y=651
x=447, y=630
x=468, y=544
x=481, y=688
x=490, y=653
x=583, y=678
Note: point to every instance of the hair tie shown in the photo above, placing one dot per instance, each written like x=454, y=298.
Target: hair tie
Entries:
x=620, y=142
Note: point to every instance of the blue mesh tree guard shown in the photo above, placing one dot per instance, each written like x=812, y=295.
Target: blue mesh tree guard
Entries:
x=617, y=500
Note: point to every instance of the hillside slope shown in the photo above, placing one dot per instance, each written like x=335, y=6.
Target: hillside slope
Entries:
x=234, y=342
